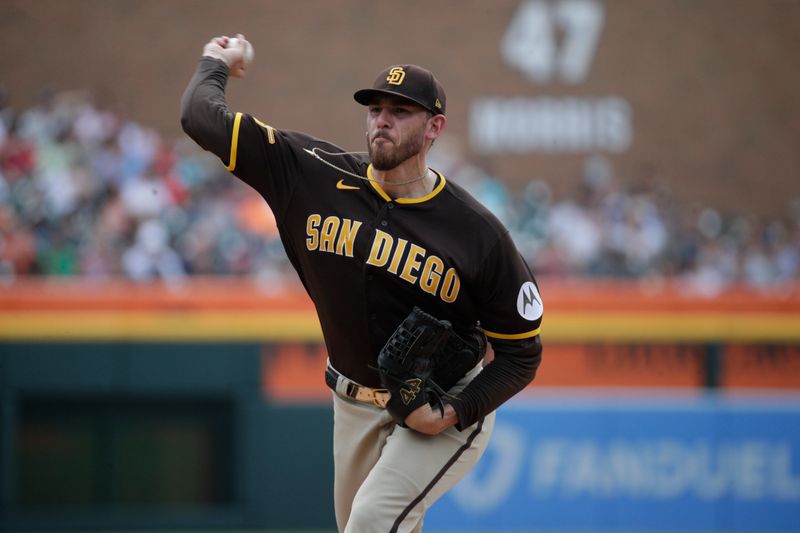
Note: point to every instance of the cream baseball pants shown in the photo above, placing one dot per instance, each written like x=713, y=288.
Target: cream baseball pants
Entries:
x=387, y=476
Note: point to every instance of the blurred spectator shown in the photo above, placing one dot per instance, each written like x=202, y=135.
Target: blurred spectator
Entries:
x=85, y=193
x=151, y=256
x=574, y=234
x=5, y=114
x=17, y=246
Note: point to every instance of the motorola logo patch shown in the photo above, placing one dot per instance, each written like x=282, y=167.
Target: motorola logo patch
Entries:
x=529, y=303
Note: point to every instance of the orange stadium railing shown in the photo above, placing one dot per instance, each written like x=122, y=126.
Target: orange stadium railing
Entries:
x=596, y=333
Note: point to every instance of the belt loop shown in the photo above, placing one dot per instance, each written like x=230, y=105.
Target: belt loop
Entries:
x=351, y=388
x=336, y=381
x=342, y=385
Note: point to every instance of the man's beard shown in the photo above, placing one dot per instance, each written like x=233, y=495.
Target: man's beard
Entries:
x=389, y=156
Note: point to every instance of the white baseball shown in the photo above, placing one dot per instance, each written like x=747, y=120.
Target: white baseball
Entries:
x=248, y=49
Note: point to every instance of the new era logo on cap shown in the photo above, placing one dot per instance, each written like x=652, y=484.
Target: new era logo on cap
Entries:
x=407, y=81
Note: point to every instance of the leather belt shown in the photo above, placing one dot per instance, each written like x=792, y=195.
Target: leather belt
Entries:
x=352, y=390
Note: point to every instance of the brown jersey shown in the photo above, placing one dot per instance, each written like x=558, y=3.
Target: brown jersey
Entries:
x=366, y=258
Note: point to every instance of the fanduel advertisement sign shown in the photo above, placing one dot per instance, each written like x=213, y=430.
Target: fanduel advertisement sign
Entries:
x=634, y=464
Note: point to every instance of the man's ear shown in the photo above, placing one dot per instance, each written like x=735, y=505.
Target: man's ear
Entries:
x=435, y=126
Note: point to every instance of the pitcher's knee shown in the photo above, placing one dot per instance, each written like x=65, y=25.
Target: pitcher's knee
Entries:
x=367, y=519
x=382, y=519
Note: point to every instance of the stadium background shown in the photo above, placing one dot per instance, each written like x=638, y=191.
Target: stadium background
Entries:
x=160, y=368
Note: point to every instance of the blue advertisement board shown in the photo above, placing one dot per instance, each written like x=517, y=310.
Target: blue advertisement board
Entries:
x=635, y=463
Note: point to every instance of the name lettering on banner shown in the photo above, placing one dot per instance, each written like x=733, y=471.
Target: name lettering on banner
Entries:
x=552, y=42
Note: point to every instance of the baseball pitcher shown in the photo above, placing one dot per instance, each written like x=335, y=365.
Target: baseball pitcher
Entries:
x=410, y=277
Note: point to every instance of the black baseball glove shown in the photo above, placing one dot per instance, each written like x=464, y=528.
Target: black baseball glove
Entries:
x=422, y=350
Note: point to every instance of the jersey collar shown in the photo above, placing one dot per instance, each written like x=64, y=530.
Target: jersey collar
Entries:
x=436, y=190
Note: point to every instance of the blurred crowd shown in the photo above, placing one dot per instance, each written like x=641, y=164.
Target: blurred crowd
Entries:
x=85, y=192
x=603, y=229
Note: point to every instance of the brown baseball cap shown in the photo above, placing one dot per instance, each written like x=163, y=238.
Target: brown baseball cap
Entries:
x=407, y=81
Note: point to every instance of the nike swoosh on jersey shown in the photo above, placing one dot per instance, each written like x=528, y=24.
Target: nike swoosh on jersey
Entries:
x=341, y=186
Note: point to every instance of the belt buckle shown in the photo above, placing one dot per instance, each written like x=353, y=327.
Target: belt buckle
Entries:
x=380, y=397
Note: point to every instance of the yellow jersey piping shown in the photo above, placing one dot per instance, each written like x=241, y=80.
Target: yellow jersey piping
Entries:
x=269, y=129
x=234, y=142
x=375, y=185
x=436, y=190
x=526, y=335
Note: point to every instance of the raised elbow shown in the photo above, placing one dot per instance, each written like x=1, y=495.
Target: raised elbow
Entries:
x=186, y=123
